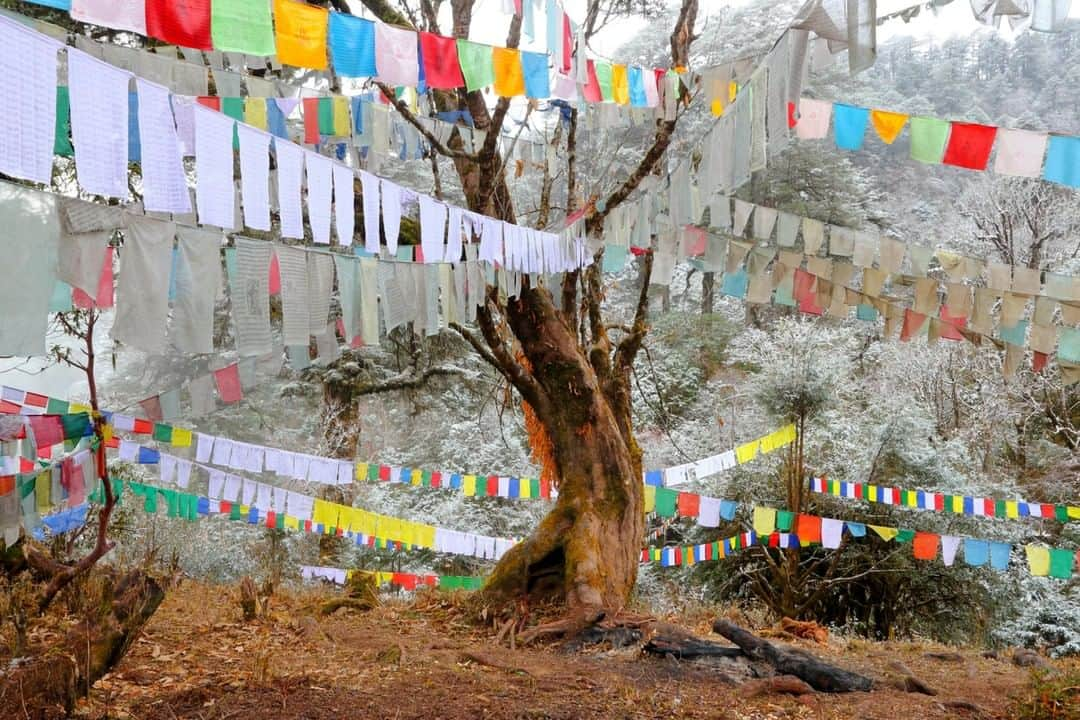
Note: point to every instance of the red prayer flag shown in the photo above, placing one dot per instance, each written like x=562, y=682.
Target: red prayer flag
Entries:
x=792, y=121
x=1038, y=361
x=592, y=86
x=211, y=101
x=693, y=240
x=1047, y=510
x=442, y=70
x=48, y=430
x=36, y=400
x=939, y=502
x=228, y=383
x=926, y=545
x=493, y=486
x=9, y=408
x=689, y=504
x=567, y=43
x=988, y=507
x=969, y=145
x=436, y=479
x=151, y=407
x=913, y=322
x=271, y=519
x=7, y=484
x=142, y=427
x=275, y=275
x=46, y=452
x=104, y=297
x=808, y=528
x=950, y=325
x=384, y=473
x=180, y=22
x=311, y=121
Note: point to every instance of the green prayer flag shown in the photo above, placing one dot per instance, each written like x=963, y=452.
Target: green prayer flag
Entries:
x=279, y=521
x=76, y=425
x=62, y=141
x=928, y=138
x=326, y=116
x=1069, y=344
x=44, y=491
x=162, y=432
x=27, y=484
x=230, y=264
x=57, y=407
x=425, y=478
x=603, y=79
x=472, y=583
x=234, y=512
x=373, y=472
x=150, y=499
x=904, y=536
x=1061, y=513
x=476, y=64
x=866, y=312
x=242, y=26
x=666, y=499
x=717, y=553
x=234, y=107
x=1061, y=563
x=534, y=487
x=614, y=258
x=450, y=582
x=784, y=519
x=999, y=508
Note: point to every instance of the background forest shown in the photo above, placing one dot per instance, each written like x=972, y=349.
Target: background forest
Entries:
x=940, y=417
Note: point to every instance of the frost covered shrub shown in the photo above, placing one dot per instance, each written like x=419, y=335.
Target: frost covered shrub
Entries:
x=1048, y=617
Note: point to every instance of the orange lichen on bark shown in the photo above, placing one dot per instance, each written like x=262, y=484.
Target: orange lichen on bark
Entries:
x=543, y=453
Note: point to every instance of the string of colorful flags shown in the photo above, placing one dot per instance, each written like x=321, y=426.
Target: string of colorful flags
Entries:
x=405, y=581
x=315, y=38
x=934, y=141
x=784, y=529
x=946, y=502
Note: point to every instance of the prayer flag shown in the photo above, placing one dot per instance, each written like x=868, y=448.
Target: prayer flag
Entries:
x=228, y=383
x=928, y=138
x=635, y=78
x=591, y=90
x=534, y=67
x=764, y=520
x=926, y=545
x=62, y=140
x=476, y=64
x=808, y=528
x=849, y=125
x=352, y=45
x=242, y=26
x=888, y=125
x=813, y=120
x=620, y=86
x=1063, y=161
x=1020, y=153
x=969, y=145
x=509, y=78
x=396, y=56
x=689, y=504
x=442, y=70
x=300, y=31
x=180, y=22
x=1061, y=563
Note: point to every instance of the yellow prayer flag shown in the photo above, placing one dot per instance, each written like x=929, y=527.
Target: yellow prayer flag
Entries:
x=885, y=533
x=1038, y=558
x=255, y=112
x=292, y=523
x=106, y=432
x=524, y=488
x=871, y=493
x=300, y=32
x=733, y=91
x=620, y=84
x=324, y=512
x=417, y=477
x=509, y=77
x=1012, y=509
x=468, y=485
x=181, y=437
x=650, y=498
x=958, y=504
x=425, y=536
x=764, y=520
x=341, y=116
x=382, y=577
x=1073, y=512
x=888, y=124
x=746, y=452
x=360, y=471
x=74, y=408
x=688, y=555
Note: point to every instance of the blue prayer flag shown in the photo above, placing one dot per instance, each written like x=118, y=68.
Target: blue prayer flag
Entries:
x=655, y=477
x=727, y=509
x=1014, y=335
x=999, y=555
x=275, y=119
x=535, y=68
x=134, y=149
x=856, y=529
x=976, y=552
x=735, y=283
x=352, y=45
x=1063, y=160
x=635, y=78
x=849, y=123
x=148, y=456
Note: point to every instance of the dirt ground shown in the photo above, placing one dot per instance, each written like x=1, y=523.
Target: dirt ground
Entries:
x=197, y=659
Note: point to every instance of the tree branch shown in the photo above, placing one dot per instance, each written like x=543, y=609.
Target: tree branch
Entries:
x=406, y=113
x=628, y=347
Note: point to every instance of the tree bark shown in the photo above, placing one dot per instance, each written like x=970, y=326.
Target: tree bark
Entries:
x=89, y=650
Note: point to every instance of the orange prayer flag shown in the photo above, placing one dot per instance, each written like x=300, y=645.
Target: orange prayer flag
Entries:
x=300, y=32
x=808, y=529
x=888, y=124
x=509, y=77
x=926, y=545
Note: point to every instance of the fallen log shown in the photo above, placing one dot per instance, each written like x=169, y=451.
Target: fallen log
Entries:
x=816, y=672
x=689, y=648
